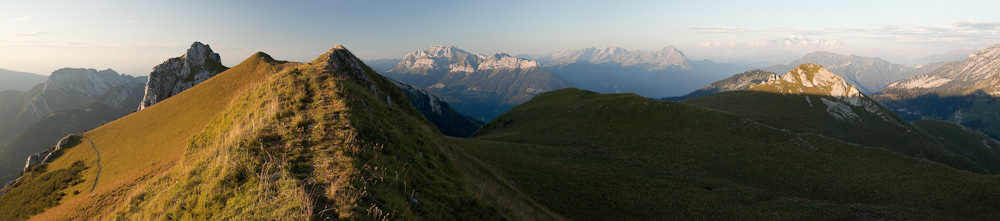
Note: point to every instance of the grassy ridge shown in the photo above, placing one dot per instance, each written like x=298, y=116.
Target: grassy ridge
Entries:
x=967, y=142
x=594, y=156
x=807, y=113
x=327, y=139
x=130, y=157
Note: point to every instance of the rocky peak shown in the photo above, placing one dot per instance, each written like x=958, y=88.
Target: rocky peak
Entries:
x=339, y=60
x=176, y=75
x=90, y=82
x=812, y=75
x=65, y=87
x=836, y=94
x=505, y=61
x=444, y=58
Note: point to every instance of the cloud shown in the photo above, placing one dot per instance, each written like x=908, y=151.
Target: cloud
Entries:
x=734, y=30
x=25, y=19
x=961, y=32
x=32, y=34
x=131, y=21
x=994, y=25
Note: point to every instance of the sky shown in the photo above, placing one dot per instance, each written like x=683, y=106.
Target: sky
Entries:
x=133, y=36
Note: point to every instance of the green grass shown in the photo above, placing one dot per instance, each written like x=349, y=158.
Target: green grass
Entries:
x=967, y=142
x=39, y=190
x=794, y=112
x=594, y=156
x=274, y=140
x=144, y=144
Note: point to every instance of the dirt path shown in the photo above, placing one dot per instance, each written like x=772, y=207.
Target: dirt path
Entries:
x=98, y=162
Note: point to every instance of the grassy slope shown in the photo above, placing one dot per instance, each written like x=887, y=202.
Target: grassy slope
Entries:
x=129, y=158
x=967, y=142
x=319, y=139
x=593, y=156
x=795, y=113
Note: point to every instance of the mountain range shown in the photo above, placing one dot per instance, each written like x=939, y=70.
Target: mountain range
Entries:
x=475, y=85
x=19, y=81
x=961, y=92
x=71, y=100
x=869, y=74
x=334, y=139
x=77, y=100
x=648, y=73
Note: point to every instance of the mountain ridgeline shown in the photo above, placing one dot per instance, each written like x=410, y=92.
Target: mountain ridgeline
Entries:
x=18, y=81
x=267, y=139
x=72, y=100
x=607, y=156
x=332, y=139
x=869, y=75
x=648, y=73
x=475, y=85
x=961, y=92
x=736, y=82
x=811, y=99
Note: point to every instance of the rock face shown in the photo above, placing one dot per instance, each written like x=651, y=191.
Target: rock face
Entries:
x=120, y=96
x=831, y=89
x=69, y=88
x=178, y=74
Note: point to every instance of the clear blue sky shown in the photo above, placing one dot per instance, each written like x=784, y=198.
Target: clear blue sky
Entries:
x=133, y=36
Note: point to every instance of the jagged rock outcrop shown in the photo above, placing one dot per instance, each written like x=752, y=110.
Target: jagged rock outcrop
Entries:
x=870, y=75
x=831, y=89
x=175, y=75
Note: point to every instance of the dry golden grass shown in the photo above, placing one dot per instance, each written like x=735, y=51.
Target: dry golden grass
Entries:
x=154, y=139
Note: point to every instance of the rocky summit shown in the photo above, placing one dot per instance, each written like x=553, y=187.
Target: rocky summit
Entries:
x=178, y=74
x=813, y=79
x=66, y=86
